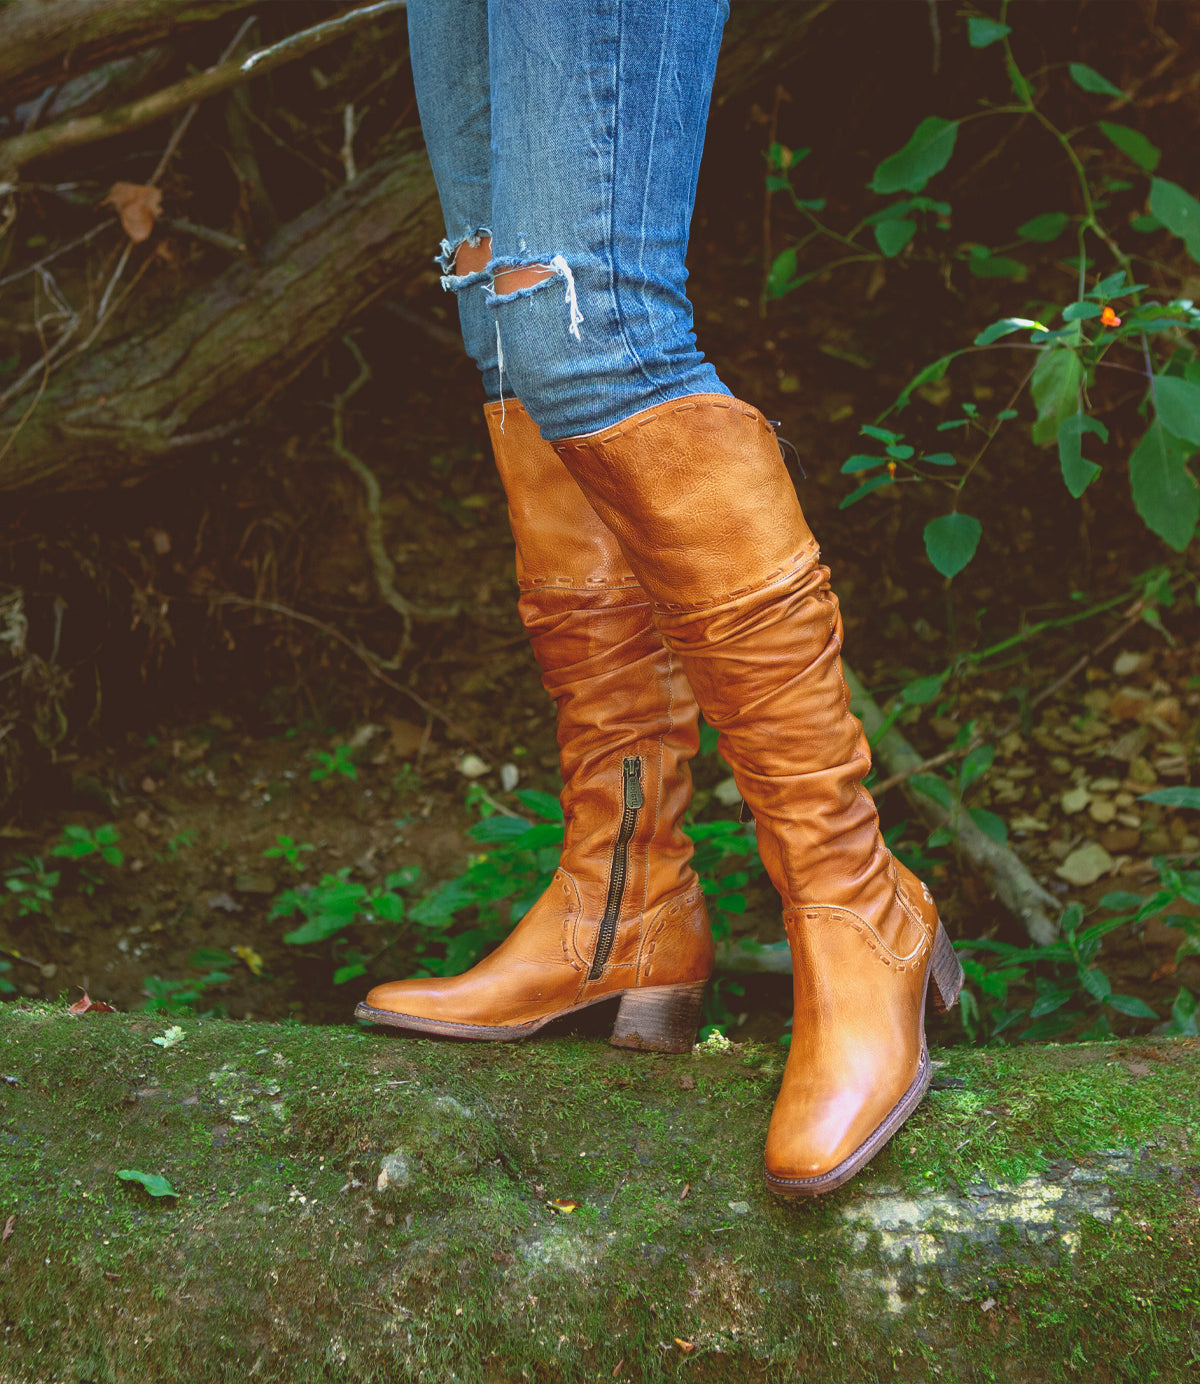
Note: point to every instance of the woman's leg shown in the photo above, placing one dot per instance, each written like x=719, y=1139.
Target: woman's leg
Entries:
x=594, y=163
x=625, y=914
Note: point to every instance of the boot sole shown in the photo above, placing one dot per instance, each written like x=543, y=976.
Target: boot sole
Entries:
x=945, y=976
x=661, y=1018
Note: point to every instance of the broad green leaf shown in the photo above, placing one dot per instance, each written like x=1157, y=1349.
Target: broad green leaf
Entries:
x=782, y=272
x=863, y=490
x=951, y=541
x=996, y=267
x=350, y=972
x=1180, y=796
x=1077, y=312
x=1005, y=327
x=1131, y=1005
x=1077, y=471
x=930, y=786
x=1050, y=1027
x=1122, y=899
x=976, y=764
x=880, y=434
x=861, y=462
x=928, y=375
x=927, y=152
x=155, y=1185
x=1178, y=211
x=993, y=827
x=1045, y=228
x=921, y=691
x=499, y=828
x=1164, y=490
x=900, y=452
x=982, y=31
x=1145, y=225
x=1096, y=983
x=893, y=236
x=1057, y=379
x=940, y=459
x=1091, y=80
x=1134, y=144
x=1050, y=1000
x=318, y=929
x=544, y=804
x=1177, y=403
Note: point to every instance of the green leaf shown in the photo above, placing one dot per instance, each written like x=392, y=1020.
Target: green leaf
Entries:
x=1096, y=983
x=318, y=929
x=861, y=462
x=1145, y=225
x=498, y=828
x=1005, y=327
x=1177, y=403
x=982, y=31
x=155, y=1185
x=1057, y=379
x=921, y=691
x=939, y=459
x=1050, y=1027
x=951, y=541
x=1078, y=312
x=893, y=236
x=1180, y=796
x=1090, y=80
x=996, y=267
x=1045, y=228
x=1121, y=899
x=880, y=434
x=976, y=764
x=1178, y=211
x=1077, y=471
x=781, y=273
x=865, y=489
x=544, y=804
x=1049, y=1001
x=900, y=453
x=350, y=972
x=927, y=152
x=1164, y=490
x=930, y=786
x=1134, y=144
x=993, y=827
x=929, y=375
x=1131, y=1005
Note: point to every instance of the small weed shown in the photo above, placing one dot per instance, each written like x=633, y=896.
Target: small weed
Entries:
x=6, y=985
x=182, y=997
x=81, y=843
x=329, y=763
x=181, y=842
x=31, y=886
x=287, y=849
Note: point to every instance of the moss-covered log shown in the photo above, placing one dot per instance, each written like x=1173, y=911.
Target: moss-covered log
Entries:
x=363, y=1206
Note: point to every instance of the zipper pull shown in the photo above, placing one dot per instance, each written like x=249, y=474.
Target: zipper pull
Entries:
x=634, y=797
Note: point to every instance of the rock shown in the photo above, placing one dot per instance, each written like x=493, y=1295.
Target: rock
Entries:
x=394, y=1171
x=1127, y=663
x=1075, y=800
x=1086, y=864
x=472, y=767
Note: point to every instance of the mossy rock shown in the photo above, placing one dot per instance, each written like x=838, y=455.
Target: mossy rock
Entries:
x=569, y=1211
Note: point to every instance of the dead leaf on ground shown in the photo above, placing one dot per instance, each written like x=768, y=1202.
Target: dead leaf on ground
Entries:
x=9, y=1226
x=563, y=1205
x=87, y=1005
x=686, y=1346
x=138, y=205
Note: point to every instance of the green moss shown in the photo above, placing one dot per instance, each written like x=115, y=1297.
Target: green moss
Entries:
x=282, y=1251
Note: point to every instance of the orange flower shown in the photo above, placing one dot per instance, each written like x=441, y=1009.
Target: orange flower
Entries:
x=1109, y=318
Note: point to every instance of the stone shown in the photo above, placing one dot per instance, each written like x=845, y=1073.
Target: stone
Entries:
x=1086, y=864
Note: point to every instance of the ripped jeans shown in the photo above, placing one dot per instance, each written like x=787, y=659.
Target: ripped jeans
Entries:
x=571, y=133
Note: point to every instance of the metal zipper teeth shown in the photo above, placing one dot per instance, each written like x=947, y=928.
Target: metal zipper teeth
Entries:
x=633, y=799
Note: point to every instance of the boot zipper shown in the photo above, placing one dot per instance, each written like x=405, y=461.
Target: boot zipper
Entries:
x=634, y=801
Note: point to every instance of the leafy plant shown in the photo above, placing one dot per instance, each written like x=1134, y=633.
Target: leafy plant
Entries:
x=6, y=985
x=1109, y=317
x=31, y=886
x=81, y=843
x=180, y=998
x=287, y=849
x=328, y=763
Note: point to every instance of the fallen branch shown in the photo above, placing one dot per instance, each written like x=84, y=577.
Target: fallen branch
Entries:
x=74, y=134
x=1015, y=887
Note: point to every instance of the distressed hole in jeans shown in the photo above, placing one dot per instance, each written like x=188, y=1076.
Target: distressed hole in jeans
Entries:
x=465, y=261
x=517, y=278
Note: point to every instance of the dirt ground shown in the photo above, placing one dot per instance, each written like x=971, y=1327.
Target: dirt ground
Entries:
x=203, y=625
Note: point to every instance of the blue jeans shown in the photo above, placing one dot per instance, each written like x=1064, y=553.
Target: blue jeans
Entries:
x=570, y=133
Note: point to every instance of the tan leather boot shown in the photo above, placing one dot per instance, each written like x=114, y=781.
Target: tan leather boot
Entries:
x=625, y=914
x=699, y=497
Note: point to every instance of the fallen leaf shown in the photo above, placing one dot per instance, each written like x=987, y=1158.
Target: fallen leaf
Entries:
x=9, y=1226
x=686, y=1346
x=87, y=1005
x=988, y=1305
x=172, y=1036
x=687, y=1082
x=740, y=1208
x=1075, y=800
x=687, y=1187
x=563, y=1205
x=617, y=1368
x=155, y=1185
x=1086, y=864
x=253, y=960
x=138, y=205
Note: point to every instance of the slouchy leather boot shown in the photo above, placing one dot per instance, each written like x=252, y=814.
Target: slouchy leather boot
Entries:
x=698, y=495
x=624, y=914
